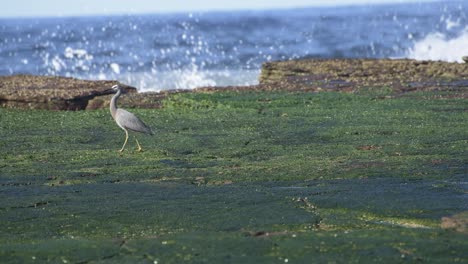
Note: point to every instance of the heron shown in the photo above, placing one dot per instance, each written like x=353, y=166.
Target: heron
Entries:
x=126, y=120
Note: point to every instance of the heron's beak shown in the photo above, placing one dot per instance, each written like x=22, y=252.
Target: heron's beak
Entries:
x=108, y=91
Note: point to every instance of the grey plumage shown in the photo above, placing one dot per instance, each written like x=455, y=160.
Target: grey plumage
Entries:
x=126, y=120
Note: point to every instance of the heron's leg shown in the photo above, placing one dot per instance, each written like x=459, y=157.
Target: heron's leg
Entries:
x=138, y=143
x=125, y=143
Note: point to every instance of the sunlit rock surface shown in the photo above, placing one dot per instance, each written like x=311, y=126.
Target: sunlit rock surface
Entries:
x=52, y=93
x=401, y=75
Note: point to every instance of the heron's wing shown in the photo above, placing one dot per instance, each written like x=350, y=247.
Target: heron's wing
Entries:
x=131, y=121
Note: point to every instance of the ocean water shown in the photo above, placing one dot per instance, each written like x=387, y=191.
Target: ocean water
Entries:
x=186, y=50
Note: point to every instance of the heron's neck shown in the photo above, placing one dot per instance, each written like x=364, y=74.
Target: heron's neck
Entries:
x=113, y=103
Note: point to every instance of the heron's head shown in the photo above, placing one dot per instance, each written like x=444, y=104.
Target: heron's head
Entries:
x=116, y=87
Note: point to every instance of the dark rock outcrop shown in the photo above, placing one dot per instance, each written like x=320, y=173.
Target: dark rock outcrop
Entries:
x=52, y=93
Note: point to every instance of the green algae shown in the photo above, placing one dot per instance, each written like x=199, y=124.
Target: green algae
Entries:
x=239, y=177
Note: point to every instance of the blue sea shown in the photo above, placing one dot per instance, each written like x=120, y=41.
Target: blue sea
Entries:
x=155, y=52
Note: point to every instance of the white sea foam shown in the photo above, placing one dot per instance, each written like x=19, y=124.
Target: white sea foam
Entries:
x=190, y=79
x=451, y=24
x=115, y=68
x=57, y=64
x=182, y=79
x=437, y=46
x=71, y=53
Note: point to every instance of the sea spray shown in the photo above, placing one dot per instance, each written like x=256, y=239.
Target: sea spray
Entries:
x=185, y=51
x=438, y=46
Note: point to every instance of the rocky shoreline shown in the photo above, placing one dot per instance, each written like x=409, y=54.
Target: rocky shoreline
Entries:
x=359, y=160
x=347, y=75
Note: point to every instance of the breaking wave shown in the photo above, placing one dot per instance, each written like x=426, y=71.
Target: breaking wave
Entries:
x=438, y=46
x=182, y=79
x=183, y=51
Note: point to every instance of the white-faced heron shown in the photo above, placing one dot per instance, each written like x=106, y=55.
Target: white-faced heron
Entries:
x=126, y=120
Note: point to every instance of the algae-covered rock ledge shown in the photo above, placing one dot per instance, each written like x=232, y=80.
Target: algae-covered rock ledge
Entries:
x=355, y=161
x=60, y=93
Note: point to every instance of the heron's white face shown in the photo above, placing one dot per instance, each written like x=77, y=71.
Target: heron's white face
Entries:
x=115, y=87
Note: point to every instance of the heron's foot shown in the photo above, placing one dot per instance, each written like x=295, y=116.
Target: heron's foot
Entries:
x=139, y=149
x=121, y=150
